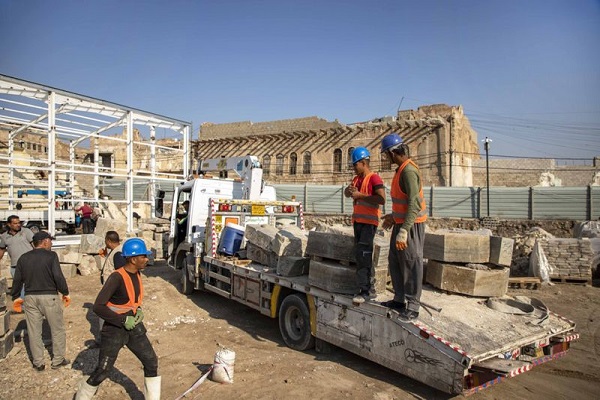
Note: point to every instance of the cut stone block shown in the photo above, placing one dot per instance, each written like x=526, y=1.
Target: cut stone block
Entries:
x=501, y=250
x=147, y=227
x=469, y=281
x=457, y=247
x=379, y=279
x=68, y=270
x=292, y=266
x=7, y=343
x=104, y=225
x=88, y=265
x=3, y=285
x=91, y=244
x=332, y=276
x=3, y=297
x=67, y=256
x=290, y=241
x=330, y=245
x=261, y=256
x=4, y=322
x=381, y=250
x=260, y=235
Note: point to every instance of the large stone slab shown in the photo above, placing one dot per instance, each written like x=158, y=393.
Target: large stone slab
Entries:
x=457, y=247
x=261, y=256
x=260, y=235
x=470, y=281
x=501, y=250
x=69, y=270
x=333, y=277
x=104, y=225
x=88, y=265
x=290, y=241
x=292, y=266
x=91, y=244
x=4, y=322
x=331, y=245
x=7, y=343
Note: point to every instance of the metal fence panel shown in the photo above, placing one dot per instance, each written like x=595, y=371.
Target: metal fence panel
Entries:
x=576, y=203
x=560, y=203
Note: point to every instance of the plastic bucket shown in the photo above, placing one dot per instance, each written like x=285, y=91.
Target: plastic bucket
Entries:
x=222, y=370
x=231, y=239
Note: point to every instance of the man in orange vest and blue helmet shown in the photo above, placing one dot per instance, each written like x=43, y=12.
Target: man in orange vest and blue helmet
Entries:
x=368, y=193
x=119, y=305
x=409, y=213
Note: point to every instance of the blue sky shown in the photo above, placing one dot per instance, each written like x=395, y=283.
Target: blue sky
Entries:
x=526, y=72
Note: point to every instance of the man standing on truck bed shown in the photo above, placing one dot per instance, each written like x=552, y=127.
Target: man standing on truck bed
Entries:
x=119, y=305
x=17, y=241
x=368, y=193
x=409, y=213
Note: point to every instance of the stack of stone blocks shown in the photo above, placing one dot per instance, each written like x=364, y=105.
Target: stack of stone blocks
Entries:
x=7, y=337
x=569, y=259
x=468, y=263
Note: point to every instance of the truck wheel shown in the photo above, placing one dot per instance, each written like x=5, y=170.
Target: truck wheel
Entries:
x=294, y=323
x=33, y=227
x=187, y=286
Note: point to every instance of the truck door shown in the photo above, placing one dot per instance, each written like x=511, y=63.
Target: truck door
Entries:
x=175, y=235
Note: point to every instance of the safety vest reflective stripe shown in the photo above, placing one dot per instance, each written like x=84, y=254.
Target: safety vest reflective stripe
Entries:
x=400, y=199
x=131, y=304
x=365, y=212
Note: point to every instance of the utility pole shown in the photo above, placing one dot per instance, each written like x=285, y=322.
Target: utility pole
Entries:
x=487, y=142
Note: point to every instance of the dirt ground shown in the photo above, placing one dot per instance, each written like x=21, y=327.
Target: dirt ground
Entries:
x=187, y=331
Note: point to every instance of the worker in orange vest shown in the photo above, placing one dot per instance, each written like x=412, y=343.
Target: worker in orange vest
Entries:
x=409, y=213
x=119, y=305
x=368, y=193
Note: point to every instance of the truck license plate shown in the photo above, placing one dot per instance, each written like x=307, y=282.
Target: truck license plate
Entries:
x=258, y=210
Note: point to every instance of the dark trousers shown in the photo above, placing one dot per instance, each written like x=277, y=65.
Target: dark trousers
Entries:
x=363, y=252
x=87, y=225
x=113, y=338
x=406, y=267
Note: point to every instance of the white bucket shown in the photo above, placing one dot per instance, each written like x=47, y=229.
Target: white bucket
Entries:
x=222, y=371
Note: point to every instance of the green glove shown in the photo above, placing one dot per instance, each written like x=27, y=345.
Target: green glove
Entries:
x=129, y=322
x=139, y=316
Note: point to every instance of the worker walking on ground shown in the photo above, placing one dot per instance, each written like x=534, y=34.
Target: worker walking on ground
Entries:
x=409, y=213
x=17, y=241
x=39, y=270
x=118, y=303
x=114, y=260
x=368, y=193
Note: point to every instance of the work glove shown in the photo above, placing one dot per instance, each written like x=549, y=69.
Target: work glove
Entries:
x=66, y=300
x=401, y=239
x=139, y=316
x=129, y=322
x=18, y=305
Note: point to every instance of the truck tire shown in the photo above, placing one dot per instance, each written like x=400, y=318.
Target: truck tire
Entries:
x=187, y=286
x=35, y=228
x=294, y=323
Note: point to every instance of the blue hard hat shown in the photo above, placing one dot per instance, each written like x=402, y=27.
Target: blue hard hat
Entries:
x=359, y=153
x=135, y=247
x=390, y=142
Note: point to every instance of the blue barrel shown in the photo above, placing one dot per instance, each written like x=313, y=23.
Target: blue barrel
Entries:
x=231, y=239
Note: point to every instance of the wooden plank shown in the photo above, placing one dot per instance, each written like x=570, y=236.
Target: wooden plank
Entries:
x=524, y=282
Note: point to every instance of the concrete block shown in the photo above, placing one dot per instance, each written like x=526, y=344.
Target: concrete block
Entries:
x=331, y=245
x=260, y=235
x=501, y=250
x=292, y=266
x=457, y=247
x=470, y=281
x=7, y=343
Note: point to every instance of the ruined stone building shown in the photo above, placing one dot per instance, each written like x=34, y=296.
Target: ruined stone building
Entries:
x=312, y=150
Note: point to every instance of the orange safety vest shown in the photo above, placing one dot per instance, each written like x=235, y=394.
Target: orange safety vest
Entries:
x=400, y=199
x=365, y=212
x=131, y=304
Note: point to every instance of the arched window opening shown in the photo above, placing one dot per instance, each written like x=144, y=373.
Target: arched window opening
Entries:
x=266, y=165
x=306, y=165
x=279, y=164
x=337, y=160
x=293, y=163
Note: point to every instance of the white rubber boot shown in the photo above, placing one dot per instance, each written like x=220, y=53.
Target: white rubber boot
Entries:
x=152, y=388
x=86, y=391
